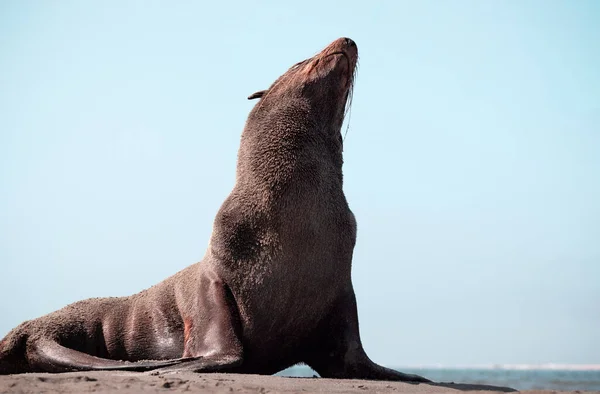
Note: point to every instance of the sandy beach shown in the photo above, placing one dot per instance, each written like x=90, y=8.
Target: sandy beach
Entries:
x=136, y=382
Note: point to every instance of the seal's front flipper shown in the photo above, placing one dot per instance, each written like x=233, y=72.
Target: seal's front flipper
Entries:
x=47, y=355
x=214, y=363
x=211, y=328
x=339, y=353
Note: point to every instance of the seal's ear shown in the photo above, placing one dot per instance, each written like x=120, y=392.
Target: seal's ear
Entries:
x=257, y=95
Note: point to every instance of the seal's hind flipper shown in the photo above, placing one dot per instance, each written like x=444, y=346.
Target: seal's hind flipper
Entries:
x=52, y=357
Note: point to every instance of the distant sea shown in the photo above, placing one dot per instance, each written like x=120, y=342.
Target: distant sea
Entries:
x=519, y=377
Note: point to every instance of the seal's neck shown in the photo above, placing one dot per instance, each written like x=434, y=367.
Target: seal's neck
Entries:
x=286, y=150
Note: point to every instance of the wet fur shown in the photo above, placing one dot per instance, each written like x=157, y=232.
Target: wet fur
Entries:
x=274, y=288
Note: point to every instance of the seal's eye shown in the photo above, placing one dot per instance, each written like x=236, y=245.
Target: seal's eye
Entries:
x=295, y=66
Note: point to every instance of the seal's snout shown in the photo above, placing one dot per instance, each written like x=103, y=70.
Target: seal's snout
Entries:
x=348, y=42
x=343, y=44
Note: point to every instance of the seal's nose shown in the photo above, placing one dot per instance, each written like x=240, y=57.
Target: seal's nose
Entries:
x=348, y=42
x=343, y=44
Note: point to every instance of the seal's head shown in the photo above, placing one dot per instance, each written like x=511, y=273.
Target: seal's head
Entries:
x=319, y=87
x=292, y=140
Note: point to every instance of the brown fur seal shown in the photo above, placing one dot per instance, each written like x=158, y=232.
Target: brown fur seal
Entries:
x=274, y=288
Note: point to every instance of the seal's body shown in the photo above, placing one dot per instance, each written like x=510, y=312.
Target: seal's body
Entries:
x=274, y=288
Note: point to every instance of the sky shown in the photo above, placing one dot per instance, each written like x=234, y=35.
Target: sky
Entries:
x=472, y=159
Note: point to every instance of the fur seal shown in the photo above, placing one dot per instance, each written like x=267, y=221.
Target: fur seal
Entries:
x=274, y=287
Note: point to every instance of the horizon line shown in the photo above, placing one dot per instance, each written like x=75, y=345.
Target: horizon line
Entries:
x=539, y=367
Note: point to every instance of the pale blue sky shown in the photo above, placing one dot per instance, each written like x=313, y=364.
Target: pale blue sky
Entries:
x=472, y=159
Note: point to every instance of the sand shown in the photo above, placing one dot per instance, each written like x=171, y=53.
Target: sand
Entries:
x=138, y=382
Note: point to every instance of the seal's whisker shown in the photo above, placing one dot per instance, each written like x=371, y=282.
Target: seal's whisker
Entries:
x=348, y=109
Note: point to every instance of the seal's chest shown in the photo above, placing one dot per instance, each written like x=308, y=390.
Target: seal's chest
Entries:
x=292, y=310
